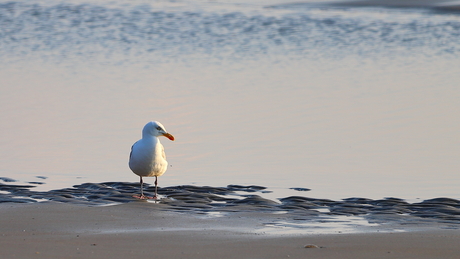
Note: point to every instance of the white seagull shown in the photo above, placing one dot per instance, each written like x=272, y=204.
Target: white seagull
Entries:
x=148, y=157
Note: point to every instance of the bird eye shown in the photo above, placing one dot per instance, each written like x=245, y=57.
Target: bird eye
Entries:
x=159, y=128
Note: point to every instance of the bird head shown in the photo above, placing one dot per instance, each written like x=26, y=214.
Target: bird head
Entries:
x=156, y=129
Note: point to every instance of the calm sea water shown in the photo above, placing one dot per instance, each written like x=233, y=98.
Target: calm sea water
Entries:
x=349, y=102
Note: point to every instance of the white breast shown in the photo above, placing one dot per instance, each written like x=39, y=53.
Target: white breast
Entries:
x=148, y=157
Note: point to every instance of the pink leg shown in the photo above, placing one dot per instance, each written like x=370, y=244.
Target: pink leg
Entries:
x=142, y=197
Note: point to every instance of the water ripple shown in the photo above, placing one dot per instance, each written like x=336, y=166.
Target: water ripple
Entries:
x=140, y=32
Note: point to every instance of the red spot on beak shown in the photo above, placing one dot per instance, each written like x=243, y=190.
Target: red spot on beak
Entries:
x=169, y=136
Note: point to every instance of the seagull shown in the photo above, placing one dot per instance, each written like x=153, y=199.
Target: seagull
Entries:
x=147, y=157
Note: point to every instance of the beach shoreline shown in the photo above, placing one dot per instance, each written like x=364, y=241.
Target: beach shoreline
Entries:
x=58, y=230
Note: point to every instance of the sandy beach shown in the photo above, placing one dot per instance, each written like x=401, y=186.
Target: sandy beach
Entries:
x=57, y=230
x=103, y=220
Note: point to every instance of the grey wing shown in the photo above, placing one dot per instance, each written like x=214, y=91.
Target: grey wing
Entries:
x=131, y=153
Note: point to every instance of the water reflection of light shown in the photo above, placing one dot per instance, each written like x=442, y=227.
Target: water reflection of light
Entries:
x=322, y=225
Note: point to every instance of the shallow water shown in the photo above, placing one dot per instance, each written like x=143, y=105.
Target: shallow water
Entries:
x=347, y=102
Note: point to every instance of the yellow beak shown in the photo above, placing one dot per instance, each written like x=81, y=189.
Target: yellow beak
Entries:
x=171, y=137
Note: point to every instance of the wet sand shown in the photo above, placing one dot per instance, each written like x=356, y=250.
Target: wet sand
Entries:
x=239, y=198
x=102, y=220
x=60, y=230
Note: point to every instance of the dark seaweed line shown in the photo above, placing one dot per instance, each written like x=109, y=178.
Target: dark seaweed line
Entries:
x=234, y=198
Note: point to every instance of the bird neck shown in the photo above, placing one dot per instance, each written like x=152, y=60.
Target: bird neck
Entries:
x=151, y=138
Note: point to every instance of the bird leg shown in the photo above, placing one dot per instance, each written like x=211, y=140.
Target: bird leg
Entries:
x=142, y=197
x=142, y=186
x=156, y=187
